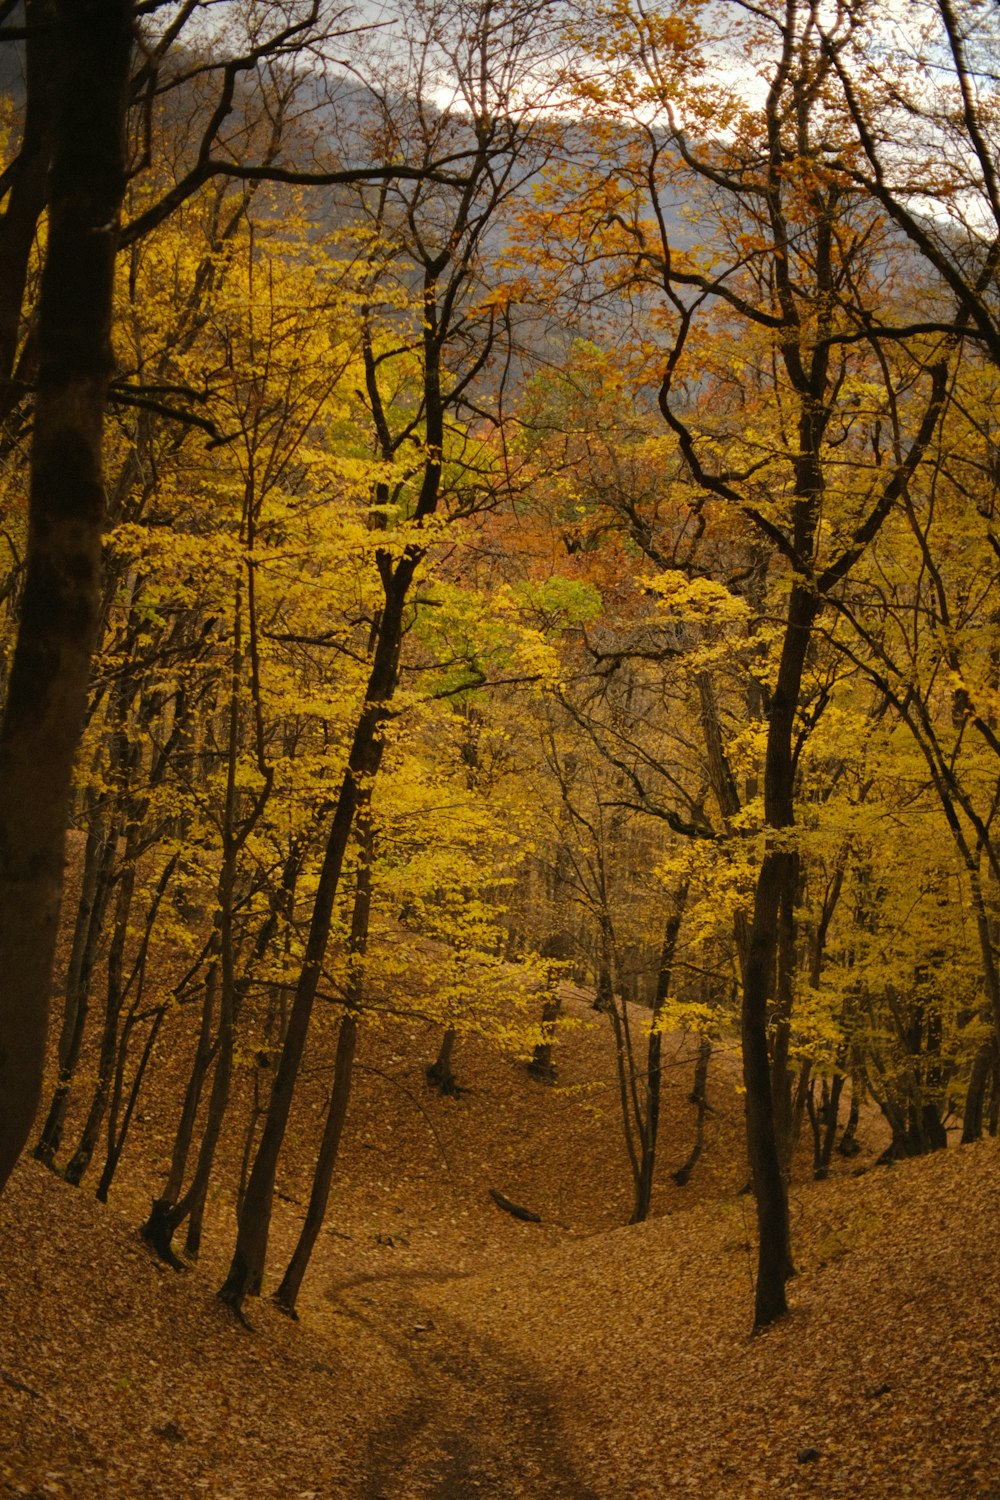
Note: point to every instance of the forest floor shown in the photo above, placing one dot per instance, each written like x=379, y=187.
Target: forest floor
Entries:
x=447, y=1351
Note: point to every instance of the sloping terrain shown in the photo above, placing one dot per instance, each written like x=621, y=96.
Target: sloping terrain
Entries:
x=448, y=1350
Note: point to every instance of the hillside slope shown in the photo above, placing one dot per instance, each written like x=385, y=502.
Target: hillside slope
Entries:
x=450, y=1351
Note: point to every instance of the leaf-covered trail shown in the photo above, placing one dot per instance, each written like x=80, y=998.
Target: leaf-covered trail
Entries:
x=478, y=1423
x=448, y=1352
x=608, y=1366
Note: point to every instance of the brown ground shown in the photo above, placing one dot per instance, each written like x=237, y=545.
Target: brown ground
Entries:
x=448, y=1351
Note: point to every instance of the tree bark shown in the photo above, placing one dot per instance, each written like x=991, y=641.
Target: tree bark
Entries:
x=439, y=1073
x=776, y=886
x=44, y=713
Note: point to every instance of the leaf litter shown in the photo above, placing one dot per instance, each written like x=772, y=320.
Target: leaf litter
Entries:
x=449, y=1350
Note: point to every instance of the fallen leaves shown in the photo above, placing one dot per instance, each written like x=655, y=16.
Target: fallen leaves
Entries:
x=447, y=1350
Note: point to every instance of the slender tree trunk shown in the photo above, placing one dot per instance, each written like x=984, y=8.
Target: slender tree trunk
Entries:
x=975, y=1097
x=628, y=1093
x=776, y=884
x=650, y=1123
x=46, y=700
x=848, y=1144
x=159, y=1228
x=247, y=1267
x=830, y=1120
x=98, y=871
x=699, y=1098
x=340, y=1093
x=117, y=1138
x=137, y=982
x=81, y=1158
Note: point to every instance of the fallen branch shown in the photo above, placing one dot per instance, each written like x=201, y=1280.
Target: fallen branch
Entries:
x=18, y=1385
x=514, y=1209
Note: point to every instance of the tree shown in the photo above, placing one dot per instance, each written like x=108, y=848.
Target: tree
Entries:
x=424, y=371
x=789, y=270
x=89, y=53
x=80, y=88
x=923, y=104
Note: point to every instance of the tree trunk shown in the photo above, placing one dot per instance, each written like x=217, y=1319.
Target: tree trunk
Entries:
x=776, y=887
x=159, y=1228
x=116, y=1137
x=247, y=1267
x=781, y=1031
x=649, y=1126
x=975, y=1097
x=773, y=1258
x=98, y=869
x=439, y=1073
x=340, y=1093
x=698, y=1097
x=46, y=701
x=541, y=1065
x=848, y=1144
x=81, y=1158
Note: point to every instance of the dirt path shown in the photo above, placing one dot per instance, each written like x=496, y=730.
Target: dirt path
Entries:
x=480, y=1426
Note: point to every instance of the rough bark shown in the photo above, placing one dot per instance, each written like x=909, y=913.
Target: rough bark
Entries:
x=46, y=701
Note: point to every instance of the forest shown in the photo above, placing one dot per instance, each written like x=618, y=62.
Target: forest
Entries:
x=500, y=577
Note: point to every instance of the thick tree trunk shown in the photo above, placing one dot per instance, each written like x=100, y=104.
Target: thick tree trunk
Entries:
x=46, y=701
x=766, y=1167
x=781, y=1031
x=440, y=1074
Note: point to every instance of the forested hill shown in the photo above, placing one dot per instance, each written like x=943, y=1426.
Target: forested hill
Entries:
x=499, y=744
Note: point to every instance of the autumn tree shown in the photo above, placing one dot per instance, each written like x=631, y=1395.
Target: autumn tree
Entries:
x=426, y=372
x=789, y=273
x=99, y=86
x=86, y=68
